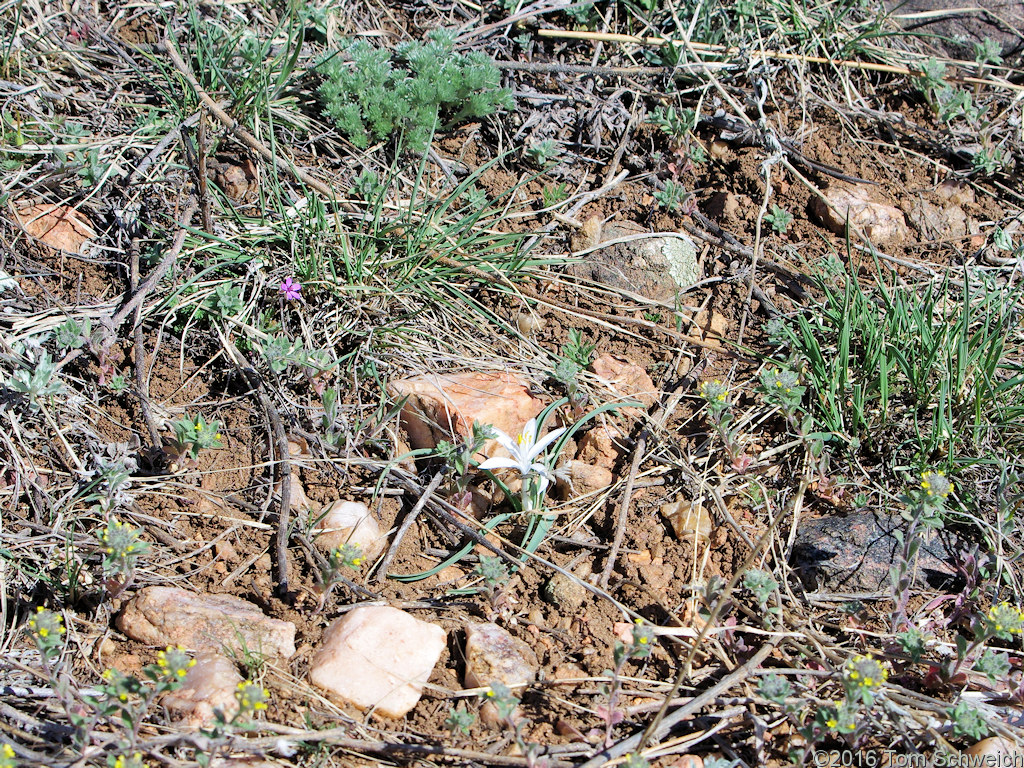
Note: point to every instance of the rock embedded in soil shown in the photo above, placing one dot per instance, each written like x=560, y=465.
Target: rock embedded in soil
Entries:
x=654, y=265
x=492, y=654
x=567, y=593
x=577, y=478
x=602, y=447
x=936, y=222
x=953, y=32
x=854, y=553
x=209, y=685
x=173, y=616
x=349, y=522
x=881, y=222
x=378, y=658
x=625, y=378
x=689, y=520
x=61, y=227
x=995, y=751
x=442, y=406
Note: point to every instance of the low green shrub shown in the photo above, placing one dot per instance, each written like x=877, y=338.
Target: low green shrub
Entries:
x=371, y=93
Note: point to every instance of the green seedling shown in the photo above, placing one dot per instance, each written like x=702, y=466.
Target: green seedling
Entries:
x=196, y=434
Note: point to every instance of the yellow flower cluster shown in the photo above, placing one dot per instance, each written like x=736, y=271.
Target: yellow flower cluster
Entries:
x=46, y=623
x=135, y=761
x=714, y=390
x=865, y=672
x=174, y=661
x=7, y=756
x=1005, y=618
x=250, y=697
x=936, y=484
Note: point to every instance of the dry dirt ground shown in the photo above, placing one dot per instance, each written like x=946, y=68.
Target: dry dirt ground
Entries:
x=98, y=117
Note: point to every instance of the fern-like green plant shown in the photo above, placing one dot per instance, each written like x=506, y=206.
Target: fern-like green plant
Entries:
x=371, y=94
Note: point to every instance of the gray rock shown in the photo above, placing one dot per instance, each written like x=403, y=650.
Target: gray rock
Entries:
x=655, y=266
x=494, y=654
x=936, y=222
x=566, y=594
x=855, y=554
x=954, y=34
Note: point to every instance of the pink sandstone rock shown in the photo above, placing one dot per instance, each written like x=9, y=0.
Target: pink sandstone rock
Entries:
x=209, y=685
x=583, y=479
x=173, y=616
x=440, y=406
x=377, y=658
x=625, y=378
x=602, y=446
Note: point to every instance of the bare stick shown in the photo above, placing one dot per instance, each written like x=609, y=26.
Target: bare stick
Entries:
x=607, y=37
x=668, y=723
x=280, y=441
x=627, y=497
x=382, y=570
x=157, y=274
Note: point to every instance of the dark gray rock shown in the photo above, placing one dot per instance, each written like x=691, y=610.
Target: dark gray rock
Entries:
x=956, y=32
x=855, y=554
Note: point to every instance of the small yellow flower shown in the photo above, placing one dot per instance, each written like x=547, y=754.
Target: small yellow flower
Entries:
x=831, y=722
x=8, y=751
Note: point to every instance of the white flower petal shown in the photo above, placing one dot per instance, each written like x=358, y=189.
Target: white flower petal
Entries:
x=545, y=441
x=506, y=442
x=499, y=462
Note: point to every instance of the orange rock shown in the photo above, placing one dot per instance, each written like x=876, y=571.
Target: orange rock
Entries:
x=712, y=325
x=59, y=226
x=601, y=446
x=584, y=478
x=442, y=406
x=625, y=378
x=688, y=520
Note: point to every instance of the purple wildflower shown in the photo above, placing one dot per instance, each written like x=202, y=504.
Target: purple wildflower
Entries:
x=290, y=289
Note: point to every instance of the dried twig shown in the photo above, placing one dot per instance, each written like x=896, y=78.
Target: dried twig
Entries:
x=385, y=564
x=627, y=496
x=283, y=464
x=168, y=45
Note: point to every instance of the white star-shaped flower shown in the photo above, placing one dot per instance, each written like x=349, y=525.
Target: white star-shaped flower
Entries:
x=524, y=451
